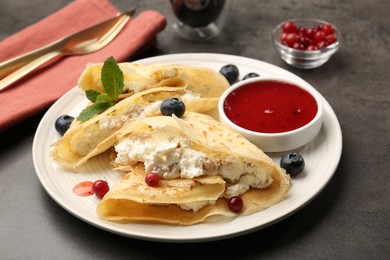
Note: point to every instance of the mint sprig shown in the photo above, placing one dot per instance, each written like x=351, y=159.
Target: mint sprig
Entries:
x=113, y=83
x=112, y=78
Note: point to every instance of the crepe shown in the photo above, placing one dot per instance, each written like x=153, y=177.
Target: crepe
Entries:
x=187, y=149
x=199, y=88
x=137, y=77
x=117, y=205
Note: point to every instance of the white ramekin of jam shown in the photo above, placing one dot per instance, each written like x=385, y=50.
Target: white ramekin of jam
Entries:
x=275, y=114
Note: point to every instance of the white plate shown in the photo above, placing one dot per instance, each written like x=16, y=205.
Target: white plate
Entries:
x=322, y=156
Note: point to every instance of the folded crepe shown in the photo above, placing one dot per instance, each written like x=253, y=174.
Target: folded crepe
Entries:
x=201, y=165
x=145, y=89
x=201, y=80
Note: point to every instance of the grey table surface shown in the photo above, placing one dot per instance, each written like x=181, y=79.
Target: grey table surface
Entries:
x=349, y=219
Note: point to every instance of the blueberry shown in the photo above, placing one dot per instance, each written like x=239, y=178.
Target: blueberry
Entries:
x=172, y=106
x=293, y=163
x=62, y=123
x=251, y=75
x=230, y=72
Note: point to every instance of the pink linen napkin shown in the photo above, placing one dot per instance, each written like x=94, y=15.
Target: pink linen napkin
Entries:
x=38, y=91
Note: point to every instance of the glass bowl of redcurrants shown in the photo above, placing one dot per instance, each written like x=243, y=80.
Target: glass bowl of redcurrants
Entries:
x=306, y=43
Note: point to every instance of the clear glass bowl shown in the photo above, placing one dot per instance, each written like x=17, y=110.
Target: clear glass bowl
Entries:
x=305, y=59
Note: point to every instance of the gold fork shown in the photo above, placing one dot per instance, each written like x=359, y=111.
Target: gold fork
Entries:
x=86, y=41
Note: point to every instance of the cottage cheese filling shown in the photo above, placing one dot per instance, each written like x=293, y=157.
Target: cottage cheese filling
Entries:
x=196, y=206
x=138, y=110
x=175, y=159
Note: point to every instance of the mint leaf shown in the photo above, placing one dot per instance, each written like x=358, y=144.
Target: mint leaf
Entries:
x=94, y=110
x=92, y=94
x=103, y=98
x=112, y=78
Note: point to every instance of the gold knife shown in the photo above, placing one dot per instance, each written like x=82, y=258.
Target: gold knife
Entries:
x=85, y=41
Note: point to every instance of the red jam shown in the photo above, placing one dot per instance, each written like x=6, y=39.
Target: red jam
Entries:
x=270, y=106
x=83, y=189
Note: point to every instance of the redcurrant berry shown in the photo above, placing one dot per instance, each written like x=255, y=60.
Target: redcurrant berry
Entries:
x=331, y=38
x=318, y=27
x=312, y=47
x=235, y=204
x=100, y=188
x=319, y=36
x=328, y=29
x=289, y=27
x=310, y=32
x=291, y=38
x=301, y=31
x=304, y=40
x=298, y=46
x=283, y=37
x=152, y=179
x=322, y=44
